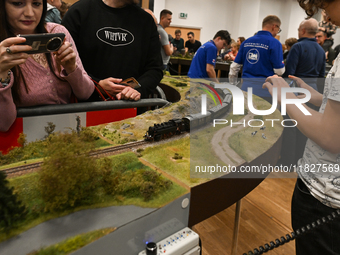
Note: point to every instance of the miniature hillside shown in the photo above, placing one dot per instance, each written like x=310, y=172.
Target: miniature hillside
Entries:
x=134, y=129
x=221, y=145
x=70, y=180
x=120, y=132
x=151, y=176
x=233, y=145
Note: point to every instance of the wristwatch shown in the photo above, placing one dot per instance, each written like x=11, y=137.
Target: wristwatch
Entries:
x=6, y=81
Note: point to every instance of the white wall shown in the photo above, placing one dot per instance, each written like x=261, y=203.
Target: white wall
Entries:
x=240, y=25
x=210, y=16
x=239, y=17
x=296, y=15
x=158, y=6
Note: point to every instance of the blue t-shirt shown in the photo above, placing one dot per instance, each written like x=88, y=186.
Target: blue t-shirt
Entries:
x=259, y=55
x=206, y=54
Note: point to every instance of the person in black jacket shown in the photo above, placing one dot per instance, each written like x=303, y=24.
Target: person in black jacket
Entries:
x=192, y=44
x=116, y=40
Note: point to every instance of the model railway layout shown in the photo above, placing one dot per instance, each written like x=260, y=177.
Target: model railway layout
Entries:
x=156, y=132
x=98, y=153
x=162, y=147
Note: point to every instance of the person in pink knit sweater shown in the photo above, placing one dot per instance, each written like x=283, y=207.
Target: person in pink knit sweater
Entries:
x=35, y=79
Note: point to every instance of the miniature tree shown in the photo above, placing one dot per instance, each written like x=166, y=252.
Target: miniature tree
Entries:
x=11, y=209
x=49, y=129
x=68, y=176
x=22, y=139
x=78, y=124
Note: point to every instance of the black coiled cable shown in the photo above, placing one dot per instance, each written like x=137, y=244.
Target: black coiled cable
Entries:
x=267, y=247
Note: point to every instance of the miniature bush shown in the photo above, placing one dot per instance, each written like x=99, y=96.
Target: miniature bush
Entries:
x=177, y=156
x=68, y=176
x=147, y=189
x=87, y=135
x=13, y=155
x=109, y=178
x=145, y=183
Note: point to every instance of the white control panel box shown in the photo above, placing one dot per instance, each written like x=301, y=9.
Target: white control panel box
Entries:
x=183, y=242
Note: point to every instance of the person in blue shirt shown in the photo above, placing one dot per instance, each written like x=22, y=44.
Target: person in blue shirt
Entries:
x=261, y=56
x=203, y=63
x=306, y=60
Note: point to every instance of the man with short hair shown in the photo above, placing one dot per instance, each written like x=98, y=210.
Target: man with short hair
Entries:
x=167, y=47
x=178, y=42
x=306, y=59
x=321, y=37
x=192, y=45
x=116, y=40
x=203, y=63
x=261, y=56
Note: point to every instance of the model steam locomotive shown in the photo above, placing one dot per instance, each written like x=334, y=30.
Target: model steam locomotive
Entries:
x=192, y=121
x=167, y=129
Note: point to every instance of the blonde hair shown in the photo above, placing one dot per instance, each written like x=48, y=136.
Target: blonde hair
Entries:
x=234, y=44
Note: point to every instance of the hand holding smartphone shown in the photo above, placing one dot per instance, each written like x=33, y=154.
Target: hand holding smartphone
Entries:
x=131, y=82
x=293, y=84
x=44, y=43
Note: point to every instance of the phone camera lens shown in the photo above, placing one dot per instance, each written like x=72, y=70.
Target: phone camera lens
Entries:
x=54, y=44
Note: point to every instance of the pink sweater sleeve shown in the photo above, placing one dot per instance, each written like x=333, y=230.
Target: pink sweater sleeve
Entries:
x=40, y=85
x=81, y=83
x=8, y=111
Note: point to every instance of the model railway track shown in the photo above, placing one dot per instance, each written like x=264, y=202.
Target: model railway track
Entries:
x=115, y=149
x=23, y=169
x=98, y=153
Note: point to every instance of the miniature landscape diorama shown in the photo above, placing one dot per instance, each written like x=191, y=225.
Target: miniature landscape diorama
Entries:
x=234, y=140
x=78, y=170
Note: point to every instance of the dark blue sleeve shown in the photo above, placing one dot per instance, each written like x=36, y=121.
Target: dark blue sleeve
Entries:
x=211, y=55
x=276, y=55
x=292, y=61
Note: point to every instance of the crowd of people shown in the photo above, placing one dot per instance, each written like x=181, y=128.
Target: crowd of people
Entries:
x=103, y=38
x=314, y=141
x=93, y=52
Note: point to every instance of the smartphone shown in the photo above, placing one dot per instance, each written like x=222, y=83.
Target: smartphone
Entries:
x=293, y=84
x=131, y=82
x=44, y=43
